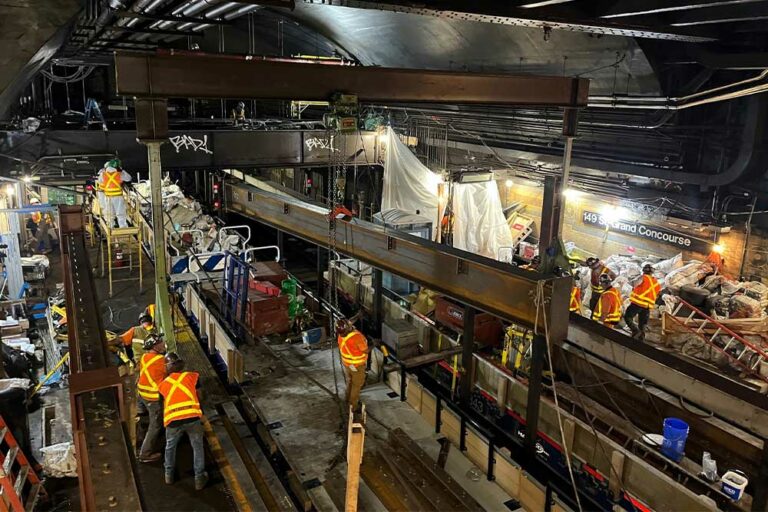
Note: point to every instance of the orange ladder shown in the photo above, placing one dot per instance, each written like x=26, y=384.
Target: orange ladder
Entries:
x=15, y=474
x=735, y=348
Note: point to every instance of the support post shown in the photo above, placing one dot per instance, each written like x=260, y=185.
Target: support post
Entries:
x=152, y=130
x=760, y=500
x=162, y=299
x=280, y=244
x=538, y=351
x=378, y=302
x=355, y=439
x=467, y=344
x=551, y=213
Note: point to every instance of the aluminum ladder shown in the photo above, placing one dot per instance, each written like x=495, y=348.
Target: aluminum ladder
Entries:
x=735, y=348
x=15, y=474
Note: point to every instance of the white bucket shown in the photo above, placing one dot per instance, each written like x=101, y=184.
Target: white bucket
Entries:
x=734, y=483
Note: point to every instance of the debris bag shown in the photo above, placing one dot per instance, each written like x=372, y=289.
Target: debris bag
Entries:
x=479, y=224
x=59, y=460
x=408, y=184
x=688, y=274
x=667, y=266
x=757, y=291
x=742, y=306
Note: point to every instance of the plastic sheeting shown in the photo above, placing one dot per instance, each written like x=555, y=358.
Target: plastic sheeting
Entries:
x=479, y=224
x=409, y=185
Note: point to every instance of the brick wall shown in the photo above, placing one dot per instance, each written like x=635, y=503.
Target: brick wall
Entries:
x=598, y=241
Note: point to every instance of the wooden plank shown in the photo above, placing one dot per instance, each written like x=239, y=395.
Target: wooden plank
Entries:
x=507, y=474
x=614, y=482
x=477, y=449
x=451, y=426
x=413, y=392
x=355, y=438
x=428, y=407
x=533, y=497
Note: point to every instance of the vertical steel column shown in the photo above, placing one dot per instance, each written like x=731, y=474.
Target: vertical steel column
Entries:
x=378, y=302
x=551, y=214
x=538, y=351
x=760, y=499
x=162, y=299
x=468, y=345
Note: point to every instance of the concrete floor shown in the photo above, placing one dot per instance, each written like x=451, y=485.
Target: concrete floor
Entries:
x=295, y=390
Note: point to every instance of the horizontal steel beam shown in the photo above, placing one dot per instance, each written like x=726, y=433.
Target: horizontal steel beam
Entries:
x=628, y=8
x=726, y=398
x=486, y=284
x=176, y=76
x=498, y=13
x=82, y=152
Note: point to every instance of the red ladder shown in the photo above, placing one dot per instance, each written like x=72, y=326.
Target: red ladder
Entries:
x=739, y=351
x=13, y=482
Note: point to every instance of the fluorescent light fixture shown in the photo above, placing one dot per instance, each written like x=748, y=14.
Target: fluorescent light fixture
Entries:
x=27, y=179
x=475, y=177
x=509, y=183
x=572, y=193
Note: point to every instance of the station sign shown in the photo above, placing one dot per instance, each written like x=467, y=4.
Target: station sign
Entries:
x=648, y=232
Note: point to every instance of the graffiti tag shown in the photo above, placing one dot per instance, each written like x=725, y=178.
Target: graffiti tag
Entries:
x=318, y=143
x=191, y=143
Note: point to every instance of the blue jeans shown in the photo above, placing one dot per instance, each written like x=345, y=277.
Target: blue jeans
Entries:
x=173, y=434
x=155, y=412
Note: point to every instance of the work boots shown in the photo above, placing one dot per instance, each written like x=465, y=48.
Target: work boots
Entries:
x=200, y=481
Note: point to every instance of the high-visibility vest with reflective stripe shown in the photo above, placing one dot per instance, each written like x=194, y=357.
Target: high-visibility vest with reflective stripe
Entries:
x=614, y=314
x=140, y=334
x=180, y=400
x=351, y=355
x=575, y=299
x=646, y=293
x=596, y=288
x=112, y=182
x=152, y=372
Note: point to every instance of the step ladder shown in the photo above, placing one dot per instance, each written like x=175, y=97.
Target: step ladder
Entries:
x=20, y=487
x=736, y=349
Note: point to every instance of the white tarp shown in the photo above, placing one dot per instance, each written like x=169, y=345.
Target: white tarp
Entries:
x=479, y=224
x=409, y=185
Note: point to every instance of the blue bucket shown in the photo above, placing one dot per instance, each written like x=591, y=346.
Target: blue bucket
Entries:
x=675, y=435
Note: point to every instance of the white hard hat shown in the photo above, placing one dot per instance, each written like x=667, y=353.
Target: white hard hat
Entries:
x=34, y=200
x=110, y=169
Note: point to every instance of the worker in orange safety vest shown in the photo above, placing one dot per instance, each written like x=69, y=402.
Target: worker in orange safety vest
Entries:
x=598, y=269
x=182, y=413
x=608, y=308
x=110, y=181
x=643, y=300
x=151, y=374
x=354, y=351
x=575, y=303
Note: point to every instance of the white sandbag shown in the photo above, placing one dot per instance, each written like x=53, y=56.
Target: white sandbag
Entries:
x=685, y=275
x=59, y=460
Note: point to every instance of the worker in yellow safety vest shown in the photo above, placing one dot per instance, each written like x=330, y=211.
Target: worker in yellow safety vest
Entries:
x=182, y=413
x=151, y=374
x=575, y=302
x=608, y=308
x=642, y=301
x=110, y=180
x=597, y=269
x=354, y=351
x=138, y=334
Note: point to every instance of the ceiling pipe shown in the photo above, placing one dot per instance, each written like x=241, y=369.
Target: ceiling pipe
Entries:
x=682, y=102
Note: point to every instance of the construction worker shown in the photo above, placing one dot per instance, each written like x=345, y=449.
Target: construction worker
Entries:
x=150, y=310
x=138, y=334
x=597, y=269
x=110, y=180
x=608, y=308
x=151, y=374
x=182, y=413
x=575, y=303
x=642, y=301
x=35, y=218
x=354, y=351
x=238, y=113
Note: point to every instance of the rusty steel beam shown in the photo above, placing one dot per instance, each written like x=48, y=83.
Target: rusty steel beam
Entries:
x=98, y=391
x=487, y=284
x=186, y=76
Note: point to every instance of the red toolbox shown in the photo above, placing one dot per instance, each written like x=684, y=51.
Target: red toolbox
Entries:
x=267, y=314
x=488, y=329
